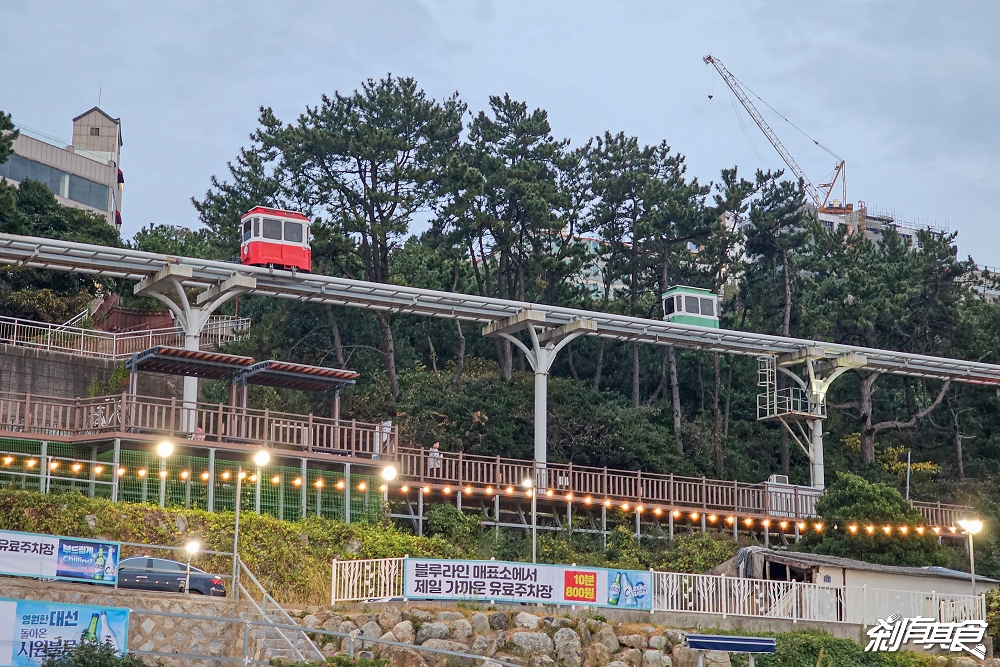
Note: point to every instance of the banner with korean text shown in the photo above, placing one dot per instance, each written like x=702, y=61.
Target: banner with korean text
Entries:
x=497, y=581
x=53, y=557
x=31, y=631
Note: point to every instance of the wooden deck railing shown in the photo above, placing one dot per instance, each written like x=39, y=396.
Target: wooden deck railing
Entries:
x=42, y=415
x=673, y=492
x=69, y=418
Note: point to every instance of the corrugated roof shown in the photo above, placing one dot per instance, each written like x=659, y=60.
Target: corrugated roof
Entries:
x=800, y=559
x=194, y=363
x=287, y=375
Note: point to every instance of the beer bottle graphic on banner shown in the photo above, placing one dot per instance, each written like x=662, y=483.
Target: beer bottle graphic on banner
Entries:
x=614, y=591
x=99, y=564
x=90, y=634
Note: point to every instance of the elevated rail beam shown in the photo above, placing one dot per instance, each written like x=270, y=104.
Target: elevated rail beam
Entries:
x=137, y=265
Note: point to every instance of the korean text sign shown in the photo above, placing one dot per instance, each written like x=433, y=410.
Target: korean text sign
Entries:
x=31, y=631
x=426, y=579
x=49, y=556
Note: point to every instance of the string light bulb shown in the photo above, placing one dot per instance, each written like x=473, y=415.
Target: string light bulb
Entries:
x=748, y=521
x=77, y=467
x=446, y=490
x=184, y=474
x=920, y=530
x=205, y=476
x=694, y=516
x=340, y=484
x=887, y=530
x=163, y=474
x=766, y=523
x=297, y=481
x=730, y=520
x=607, y=503
x=489, y=490
x=142, y=472
x=319, y=484
x=587, y=500
x=53, y=465
x=121, y=472
x=569, y=497
x=226, y=475
x=362, y=487
x=625, y=506
x=98, y=470
x=276, y=479
x=712, y=518
x=852, y=528
x=657, y=511
x=32, y=463
x=7, y=460
x=383, y=488
x=550, y=493
x=870, y=529
x=818, y=527
x=405, y=489
x=427, y=489
x=904, y=529
x=783, y=524
x=677, y=514
x=639, y=509
x=468, y=490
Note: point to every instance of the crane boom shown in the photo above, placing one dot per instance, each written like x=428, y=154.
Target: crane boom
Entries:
x=744, y=99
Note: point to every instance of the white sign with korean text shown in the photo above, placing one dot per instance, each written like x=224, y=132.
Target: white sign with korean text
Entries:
x=426, y=579
x=892, y=633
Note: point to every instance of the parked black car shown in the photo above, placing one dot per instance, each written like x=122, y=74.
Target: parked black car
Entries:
x=160, y=574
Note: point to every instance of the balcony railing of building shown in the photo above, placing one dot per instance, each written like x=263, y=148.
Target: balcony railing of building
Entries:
x=111, y=416
x=114, y=346
x=90, y=419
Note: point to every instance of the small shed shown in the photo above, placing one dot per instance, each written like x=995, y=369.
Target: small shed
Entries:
x=780, y=565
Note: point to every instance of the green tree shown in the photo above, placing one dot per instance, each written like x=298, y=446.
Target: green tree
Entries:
x=369, y=160
x=7, y=136
x=92, y=654
x=48, y=296
x=870, y=507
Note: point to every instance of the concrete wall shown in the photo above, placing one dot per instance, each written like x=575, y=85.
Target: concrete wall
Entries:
x=42, y=373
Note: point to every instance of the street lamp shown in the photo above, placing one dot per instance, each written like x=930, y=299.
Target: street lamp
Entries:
x=192, y=549
x=971, y=527
x=260, y=459
x=529, y=484
x=163, y=450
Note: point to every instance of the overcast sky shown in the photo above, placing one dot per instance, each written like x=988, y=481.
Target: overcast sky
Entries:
x=905, y=91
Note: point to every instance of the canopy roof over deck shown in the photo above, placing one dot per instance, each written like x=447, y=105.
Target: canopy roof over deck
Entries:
x=240, y=370
x=296, y=376
x=191, y=363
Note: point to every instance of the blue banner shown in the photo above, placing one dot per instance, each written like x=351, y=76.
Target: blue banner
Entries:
x=31, y=631
x=54, y=557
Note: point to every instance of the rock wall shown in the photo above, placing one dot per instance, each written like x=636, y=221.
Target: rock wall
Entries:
x=518, y=637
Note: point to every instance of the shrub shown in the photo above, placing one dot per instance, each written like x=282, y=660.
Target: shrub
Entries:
x=92, y=654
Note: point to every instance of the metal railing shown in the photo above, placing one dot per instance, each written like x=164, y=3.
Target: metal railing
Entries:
x=367, y=579
x=124, y=413
x=381, y=579
x=114, y=346
x=270, y=610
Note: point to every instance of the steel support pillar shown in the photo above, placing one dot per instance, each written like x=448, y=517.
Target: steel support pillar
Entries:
x=546, y=342
x=304, y=488
x=211, y=480
x=347, y=493
x=167, y=287
x=116, y=478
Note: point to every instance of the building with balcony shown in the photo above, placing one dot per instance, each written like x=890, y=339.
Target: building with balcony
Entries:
x=84, y=174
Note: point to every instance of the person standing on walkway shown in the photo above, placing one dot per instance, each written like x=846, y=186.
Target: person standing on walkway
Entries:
x=434, y=460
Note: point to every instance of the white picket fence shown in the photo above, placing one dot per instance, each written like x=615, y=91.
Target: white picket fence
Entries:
x=367, y=579
x=382, y=579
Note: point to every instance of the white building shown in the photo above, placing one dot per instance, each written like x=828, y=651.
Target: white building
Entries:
x=84, y=174
x=780, y=565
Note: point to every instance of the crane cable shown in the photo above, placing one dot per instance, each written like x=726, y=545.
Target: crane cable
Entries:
x=803, y=132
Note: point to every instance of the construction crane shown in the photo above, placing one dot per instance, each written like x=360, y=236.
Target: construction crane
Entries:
x=820, y=195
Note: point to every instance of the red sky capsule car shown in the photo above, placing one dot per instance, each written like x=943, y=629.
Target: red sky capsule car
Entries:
x=275, y=238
